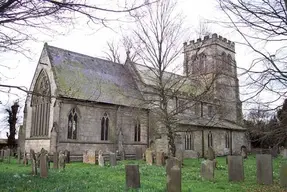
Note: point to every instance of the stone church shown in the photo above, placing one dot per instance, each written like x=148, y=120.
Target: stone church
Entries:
x=84, y=103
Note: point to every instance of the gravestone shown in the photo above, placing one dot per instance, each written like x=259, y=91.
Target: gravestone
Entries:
x=55, y=160
x=174, y=179
x=148, y=156
x=101, y=160
x=89, y=157
x=283, y=175
x=7, y=154
x=1, y=155
x=264, y=169
x=210, y=154
x=160, y=158
x=38, y=159
x=19, y=155
x=33, y=162
x=170, y=162
x=25, y=158
x=62, y=160
x=67, y=155
x=284, y=153
x=244, y=152
x=235, y=168
x=138, y=153
x=207, y=169
x=113, y=159
x=274, y=151
x=43, y=163
x=132, y=177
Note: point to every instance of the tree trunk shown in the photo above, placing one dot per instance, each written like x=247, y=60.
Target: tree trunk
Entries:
x=12, y=120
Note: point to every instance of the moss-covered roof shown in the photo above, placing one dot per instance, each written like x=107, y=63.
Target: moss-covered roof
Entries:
x=84, y=77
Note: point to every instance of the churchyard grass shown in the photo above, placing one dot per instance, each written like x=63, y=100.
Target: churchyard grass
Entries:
x=85, y=177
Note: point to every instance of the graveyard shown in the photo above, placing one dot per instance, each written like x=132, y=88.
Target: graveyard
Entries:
x=78, y=176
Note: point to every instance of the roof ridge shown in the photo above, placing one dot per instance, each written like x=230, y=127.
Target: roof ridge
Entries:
x=81, y=54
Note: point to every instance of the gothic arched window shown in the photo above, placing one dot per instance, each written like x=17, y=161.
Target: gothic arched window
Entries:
x=104, y=127
x=137, y=131
x=209, y=139
x=40, y=104
x=189, y=141
x=73, y=124
x=227, y=140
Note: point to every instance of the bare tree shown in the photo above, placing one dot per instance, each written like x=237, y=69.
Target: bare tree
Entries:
x=18, y=17
x=158, y=39
x=263, y=28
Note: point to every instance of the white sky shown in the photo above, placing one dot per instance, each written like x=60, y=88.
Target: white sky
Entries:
x=93, y=42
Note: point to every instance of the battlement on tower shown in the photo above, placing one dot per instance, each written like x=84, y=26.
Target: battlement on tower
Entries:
x=209, y=40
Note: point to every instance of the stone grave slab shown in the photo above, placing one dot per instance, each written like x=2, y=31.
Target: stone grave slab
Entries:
x=174, y=179
x=235, y=168
x=264, y=169
x=132, y=177
x=207, y=170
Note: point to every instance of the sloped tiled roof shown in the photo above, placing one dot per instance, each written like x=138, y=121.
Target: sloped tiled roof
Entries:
x=84, y=77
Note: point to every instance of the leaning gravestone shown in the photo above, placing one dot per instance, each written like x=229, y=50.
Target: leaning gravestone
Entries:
x=235, y=168
x=138, y=153
x=67, y=155
x=62, y=160
x=132, y=177
x=101, y=160
x=113, y=159
x=274, y=151
x=244, y=152
x=160, y=158
x=174, y=179
x=148, y=156
x=210, y=154
x=55, y=160
x=207, y=169
x=43, y=163
x=33, y=162
x=264, y=169
x=170, y=162
x=283, y=175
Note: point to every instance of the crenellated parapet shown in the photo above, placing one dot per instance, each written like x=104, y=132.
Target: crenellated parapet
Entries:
x=209, y=40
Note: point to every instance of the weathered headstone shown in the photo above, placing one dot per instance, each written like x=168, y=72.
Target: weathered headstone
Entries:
x=148, y=156
x=7, y=154
x=160, y=161
x=138, y=153
x=25, y=158
x=174, y=179
x=284, y=153
x=207, y=169
x=101, y=160
x=210, y=154
x=113, y=159
x=55, y=160
x=19, y=155
x=274, y=151
x=62, y=160
x=89, y=157
x=43, y=164
x=1, y=155
x=264, y=169
x=132, y=177
x=67, y=155
x=283, y=175
x=33, y=162
x=235, y=168
x=244, y=152
x=170, y=162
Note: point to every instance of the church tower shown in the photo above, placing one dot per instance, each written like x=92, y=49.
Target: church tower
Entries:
x=215, y=56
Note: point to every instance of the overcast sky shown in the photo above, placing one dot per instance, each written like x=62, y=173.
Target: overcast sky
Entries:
x=92, y=42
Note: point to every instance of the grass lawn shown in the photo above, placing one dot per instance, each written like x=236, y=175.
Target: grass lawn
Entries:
x=84, y=177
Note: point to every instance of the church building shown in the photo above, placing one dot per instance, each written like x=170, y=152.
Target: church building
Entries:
x=81, y=103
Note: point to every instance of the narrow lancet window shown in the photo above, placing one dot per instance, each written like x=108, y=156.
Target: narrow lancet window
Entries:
x=72, y=124
x=104, y=127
